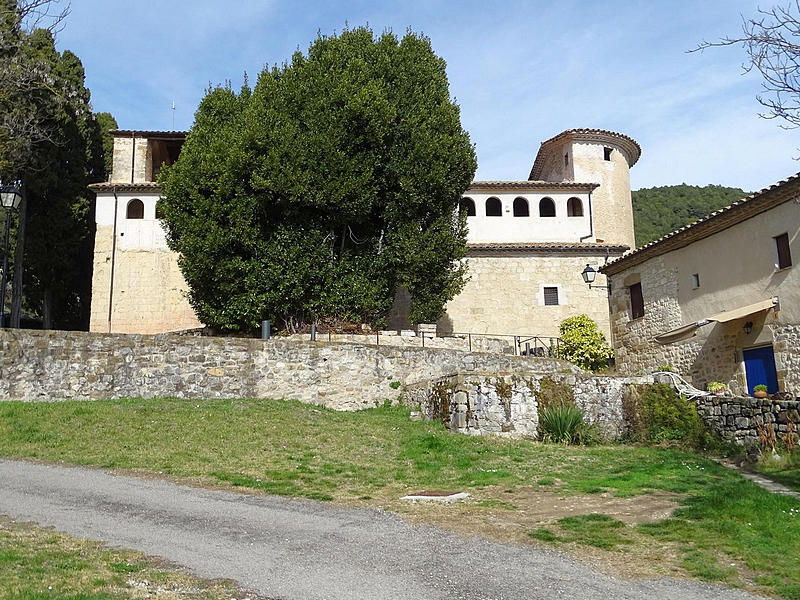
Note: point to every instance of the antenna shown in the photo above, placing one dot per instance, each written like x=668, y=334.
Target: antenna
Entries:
x=173, y=115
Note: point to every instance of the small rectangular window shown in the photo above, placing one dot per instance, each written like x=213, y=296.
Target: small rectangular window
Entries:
x=784, y=253
x=637, y=301
x=606, y=153
x=696, y=280
x=566, y=160
x=551, y=296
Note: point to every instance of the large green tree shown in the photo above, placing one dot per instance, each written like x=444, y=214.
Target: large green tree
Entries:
x=55, y=156
x=317, y=194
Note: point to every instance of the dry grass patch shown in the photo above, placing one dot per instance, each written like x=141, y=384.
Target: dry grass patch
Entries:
x=41, y=564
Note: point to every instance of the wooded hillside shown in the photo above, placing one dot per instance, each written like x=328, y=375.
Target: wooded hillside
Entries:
x=659, y=210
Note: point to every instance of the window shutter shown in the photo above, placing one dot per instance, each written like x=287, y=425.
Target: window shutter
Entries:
x=551, y=296
x=784, y=253
x=637, y=301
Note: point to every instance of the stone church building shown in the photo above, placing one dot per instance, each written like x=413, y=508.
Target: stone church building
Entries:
x=528, y=240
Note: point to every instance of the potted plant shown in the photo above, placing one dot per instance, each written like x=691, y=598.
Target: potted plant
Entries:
x=760, y=391
x=717, y=388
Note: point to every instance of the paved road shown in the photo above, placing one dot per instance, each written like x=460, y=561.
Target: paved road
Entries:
x=305, y=550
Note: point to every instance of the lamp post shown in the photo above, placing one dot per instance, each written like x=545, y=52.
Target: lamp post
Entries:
x=10, y=199
x=588, y=275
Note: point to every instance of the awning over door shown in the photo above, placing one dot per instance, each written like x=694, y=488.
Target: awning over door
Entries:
x=686, y=331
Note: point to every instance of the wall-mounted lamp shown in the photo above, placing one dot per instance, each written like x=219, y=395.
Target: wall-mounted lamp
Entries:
x=589, y=275
x=748, y=327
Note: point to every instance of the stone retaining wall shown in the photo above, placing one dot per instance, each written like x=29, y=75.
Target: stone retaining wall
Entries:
x=56, y=365
x=488, y=403
x=739, y=419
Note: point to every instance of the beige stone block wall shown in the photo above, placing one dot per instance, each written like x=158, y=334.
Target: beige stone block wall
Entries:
x=124, y=147
x=149, y=293
x=504, y=295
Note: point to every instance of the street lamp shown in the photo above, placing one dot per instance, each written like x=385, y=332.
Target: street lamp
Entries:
x=588, y=275
x=10, y=199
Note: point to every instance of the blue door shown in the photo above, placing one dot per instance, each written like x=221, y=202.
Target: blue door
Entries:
x=759, y=367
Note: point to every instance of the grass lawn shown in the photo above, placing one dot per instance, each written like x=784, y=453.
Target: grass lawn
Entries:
x=40, y=564
x=725, y=529
x=784, y=469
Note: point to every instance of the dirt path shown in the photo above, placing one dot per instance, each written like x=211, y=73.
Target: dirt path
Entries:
x=306, y=550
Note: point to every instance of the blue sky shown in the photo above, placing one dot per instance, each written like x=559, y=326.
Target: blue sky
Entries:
x=521, y=72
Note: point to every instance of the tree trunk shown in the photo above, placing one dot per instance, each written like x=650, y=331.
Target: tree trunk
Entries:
x=16, y=298
x=47, y=309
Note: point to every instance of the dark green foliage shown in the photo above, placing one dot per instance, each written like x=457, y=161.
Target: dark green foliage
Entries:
x=659, y=414
x=55, y=157
x=106, y=122
x=317, y=194
x=660, y=210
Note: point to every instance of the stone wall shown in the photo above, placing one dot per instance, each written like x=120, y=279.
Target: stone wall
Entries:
x=55, y=365
x=739, y=419
x=505, y=294
x=487, y=403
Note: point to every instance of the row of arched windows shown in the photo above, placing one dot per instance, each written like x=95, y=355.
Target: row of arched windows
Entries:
x=547, y=208
x=135, y=210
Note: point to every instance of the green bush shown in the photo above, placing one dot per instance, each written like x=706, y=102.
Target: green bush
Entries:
x=659, y=414
x=583, y=344
x=564, y=424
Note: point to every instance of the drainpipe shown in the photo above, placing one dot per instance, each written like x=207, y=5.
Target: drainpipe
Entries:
x=591, y=221
x=113, y=260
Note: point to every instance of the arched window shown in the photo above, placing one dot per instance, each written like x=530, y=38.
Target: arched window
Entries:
x=521, y=208
x=574, y=207
x=467, y=205
x=494, y=208
x=135, y=209
x=547, y=207
x=159, y=210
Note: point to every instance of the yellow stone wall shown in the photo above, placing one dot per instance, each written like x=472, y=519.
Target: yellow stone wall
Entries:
x=149, y=290
x=504, y=294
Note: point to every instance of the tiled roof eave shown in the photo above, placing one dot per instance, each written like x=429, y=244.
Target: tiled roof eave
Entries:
x=627, y=144
x=476, y=186
x=719, y=220
x=148, y=133
x=548, y=247
x=147, y=186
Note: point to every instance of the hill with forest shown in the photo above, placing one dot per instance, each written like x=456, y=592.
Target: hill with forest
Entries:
x=659, y=210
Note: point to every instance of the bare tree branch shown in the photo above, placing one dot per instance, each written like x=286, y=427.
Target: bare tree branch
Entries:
x=772, y=43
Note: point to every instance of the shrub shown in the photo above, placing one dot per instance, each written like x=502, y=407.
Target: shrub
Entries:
x=660, y=414
x=564, y=424
x=760, y=388
x=583, y=344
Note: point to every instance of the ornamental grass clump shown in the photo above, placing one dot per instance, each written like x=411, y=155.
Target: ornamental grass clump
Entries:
x=564, y=424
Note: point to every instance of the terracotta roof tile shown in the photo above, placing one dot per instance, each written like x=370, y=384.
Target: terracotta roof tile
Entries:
x=528, y=184
x=549, y=247
x=630, y=146
x=145, y=186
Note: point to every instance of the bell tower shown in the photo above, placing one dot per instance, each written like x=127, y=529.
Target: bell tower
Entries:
x=601, y=157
